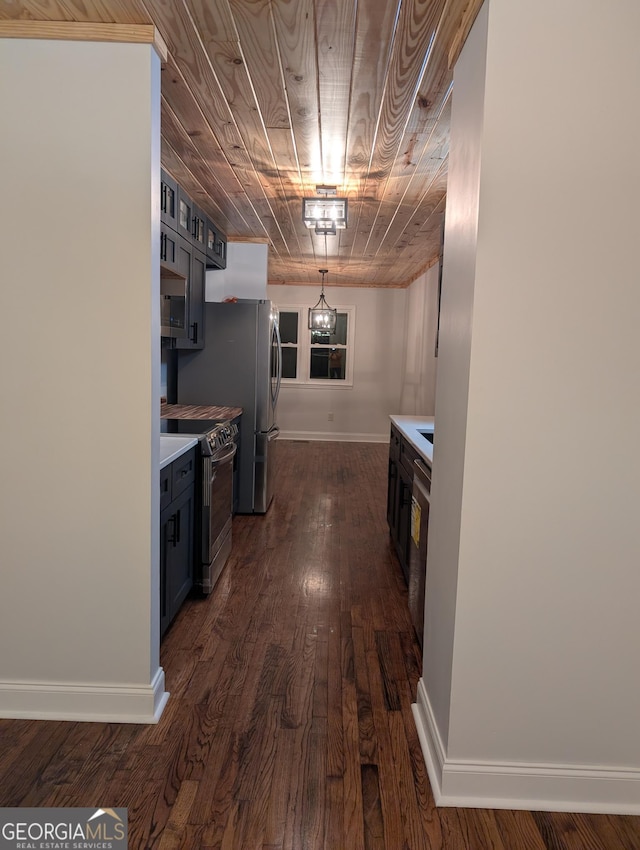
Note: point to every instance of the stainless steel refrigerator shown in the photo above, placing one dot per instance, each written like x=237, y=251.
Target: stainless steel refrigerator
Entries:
x=240, y=366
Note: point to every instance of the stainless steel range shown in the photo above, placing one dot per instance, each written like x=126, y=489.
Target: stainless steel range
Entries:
x=217, y=452
x=217, y=447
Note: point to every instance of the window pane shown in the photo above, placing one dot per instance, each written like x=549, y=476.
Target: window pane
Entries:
x=319, y=367
x=289, y=327
x=337, y=363
x=320, y=337
x=328, y=363
x=339, y=337
x=289, y=362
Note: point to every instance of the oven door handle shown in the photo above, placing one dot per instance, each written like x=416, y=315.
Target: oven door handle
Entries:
x=422, y=479
x=218, y=460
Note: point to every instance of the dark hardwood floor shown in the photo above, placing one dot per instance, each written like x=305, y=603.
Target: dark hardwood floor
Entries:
x=289, y=725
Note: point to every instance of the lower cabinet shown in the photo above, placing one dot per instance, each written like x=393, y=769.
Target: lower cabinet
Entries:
x=176, y=536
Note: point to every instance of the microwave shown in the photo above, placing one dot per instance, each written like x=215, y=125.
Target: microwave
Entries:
x=173, y=307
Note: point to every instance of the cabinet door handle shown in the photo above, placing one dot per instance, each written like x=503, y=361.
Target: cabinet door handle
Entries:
x=172, y=539
x=194, y=335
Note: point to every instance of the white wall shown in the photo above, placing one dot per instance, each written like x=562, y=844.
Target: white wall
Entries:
x=245, y=275
x=79, y=168
x=361, y=412
x=530, y=695
x=419, y=373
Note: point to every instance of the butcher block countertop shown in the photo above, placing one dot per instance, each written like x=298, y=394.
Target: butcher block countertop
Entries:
x=198, y=411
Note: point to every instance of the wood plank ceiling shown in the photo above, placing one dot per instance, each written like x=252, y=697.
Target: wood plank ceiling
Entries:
x=263, y=100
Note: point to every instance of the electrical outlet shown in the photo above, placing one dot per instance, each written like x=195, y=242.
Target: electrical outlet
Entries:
x=330, y=417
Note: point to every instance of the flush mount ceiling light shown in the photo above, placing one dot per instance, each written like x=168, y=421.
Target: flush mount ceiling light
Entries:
x=322, y=317
x=327, y=213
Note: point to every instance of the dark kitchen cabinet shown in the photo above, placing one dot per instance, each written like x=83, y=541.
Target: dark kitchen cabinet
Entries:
x=180, y=215
x=177, y=494
x=168, y=248
x=216, y=247
x=192, y=265
x=392, y=482
x=190, y=243
x=168, y=201
x=185, y=214
x=198, y=229
x=176, y=557
x=196, y=301
x=399, y=491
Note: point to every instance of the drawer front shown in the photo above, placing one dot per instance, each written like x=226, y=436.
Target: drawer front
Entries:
x=183, y=473
x=165, y=487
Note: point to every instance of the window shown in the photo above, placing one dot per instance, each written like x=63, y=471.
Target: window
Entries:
x=312, y=358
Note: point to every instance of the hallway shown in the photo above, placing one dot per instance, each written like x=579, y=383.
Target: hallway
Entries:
x=289, y=724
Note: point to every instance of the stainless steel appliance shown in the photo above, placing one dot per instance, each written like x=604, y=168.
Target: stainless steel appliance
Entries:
x=420, y=501
x=173, y=307
x=217, y=447
x=240, y=366
x=217, y=451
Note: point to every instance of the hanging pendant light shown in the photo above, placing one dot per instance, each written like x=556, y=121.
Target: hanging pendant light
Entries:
x=322, y=317
x=326, y=213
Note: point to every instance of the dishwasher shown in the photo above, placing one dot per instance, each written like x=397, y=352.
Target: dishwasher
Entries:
x=420, y=500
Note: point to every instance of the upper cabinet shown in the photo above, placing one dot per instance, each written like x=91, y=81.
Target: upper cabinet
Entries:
x=168, y=248
x=191, y=264
x=199, y=229
x=168, y=201
x=184, y=214
x=179, y=213
x=216, y=247
x=190, y=243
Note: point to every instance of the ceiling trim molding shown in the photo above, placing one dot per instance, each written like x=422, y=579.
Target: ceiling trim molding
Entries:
x=72, y=31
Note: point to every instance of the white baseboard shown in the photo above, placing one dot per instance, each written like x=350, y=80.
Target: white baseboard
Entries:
x=535, y=787
x=92, y=703
x=337, y=437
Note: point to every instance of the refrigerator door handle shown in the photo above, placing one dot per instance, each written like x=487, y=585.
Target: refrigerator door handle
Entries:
x=276, y=329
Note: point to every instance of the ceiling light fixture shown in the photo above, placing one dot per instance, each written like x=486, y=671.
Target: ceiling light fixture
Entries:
x=326, y=213
x=322, y=317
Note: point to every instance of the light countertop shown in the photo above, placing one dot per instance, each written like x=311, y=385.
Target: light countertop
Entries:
x=174, y=445
x=410, y=427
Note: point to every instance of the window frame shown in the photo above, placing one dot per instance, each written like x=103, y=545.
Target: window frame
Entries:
x=305, y=346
